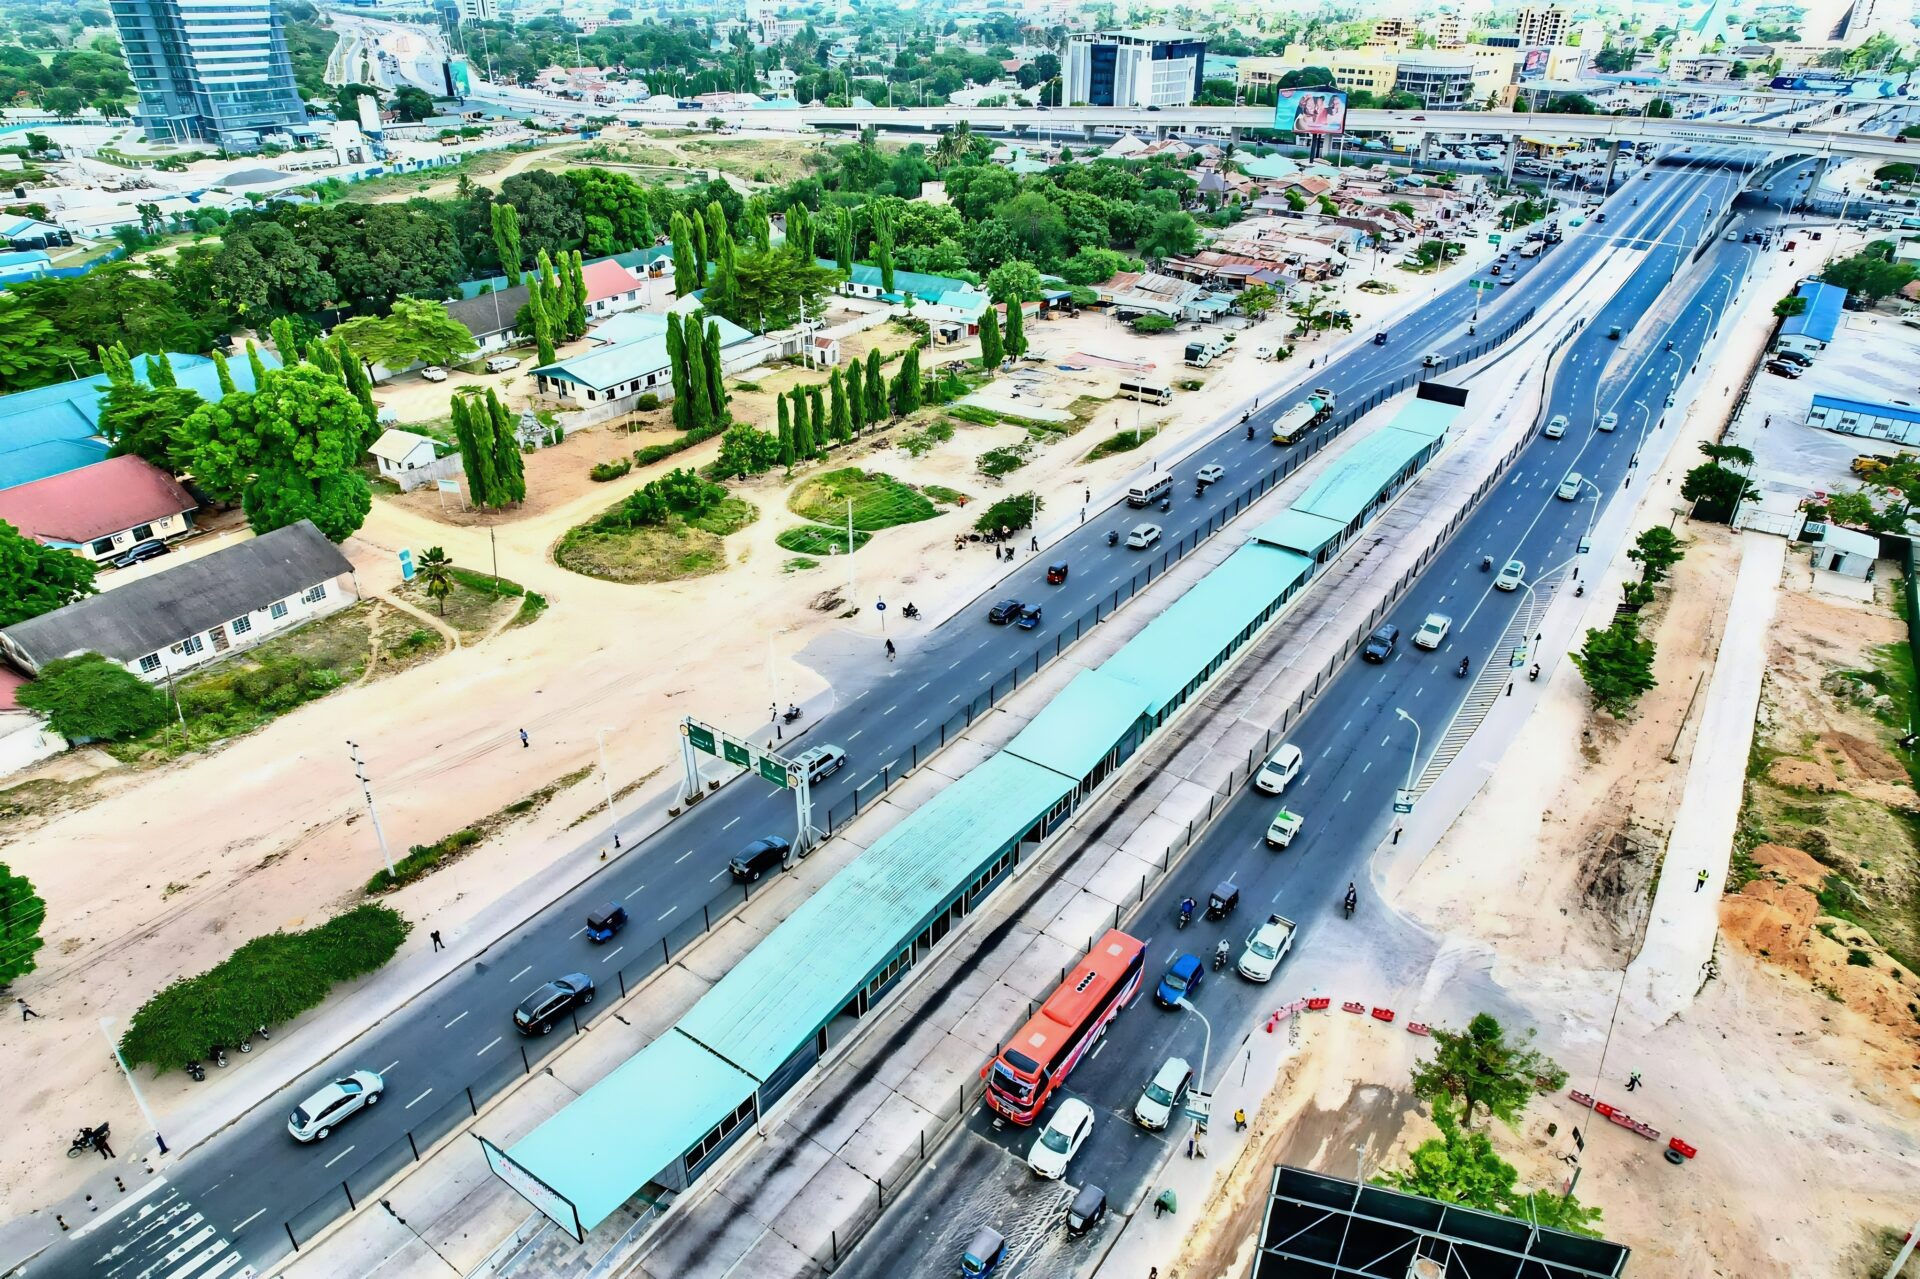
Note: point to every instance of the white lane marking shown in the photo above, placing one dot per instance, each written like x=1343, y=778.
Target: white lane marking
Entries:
x=389, y=1066
x=857, y=698
x=522, y=973
x=490, y=1043
x=1344, y=798
x=891, y=709
x=227, y=1263
x=918, y=726
x=256, y=1216
x=337, y=1158
x=577, y=932
x=670, y=911
x=682, y=857
x=923, y=687
x=717, y=874
x=146, y=1188
x=854, y=737
x=417, y=1100
x=463, y=1016
x=951, y=665
x=730, y=825
x=616, y=950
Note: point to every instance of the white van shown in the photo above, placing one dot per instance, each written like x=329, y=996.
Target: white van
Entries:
x=1148, y=392
x=1150, y=490
x=502, y=363
x=1281, y=767
x=1570, y=487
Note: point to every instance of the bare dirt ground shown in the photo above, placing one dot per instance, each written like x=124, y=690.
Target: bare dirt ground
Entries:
x=269, y=831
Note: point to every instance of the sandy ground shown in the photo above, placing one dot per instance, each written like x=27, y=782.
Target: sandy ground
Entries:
x=155, y=874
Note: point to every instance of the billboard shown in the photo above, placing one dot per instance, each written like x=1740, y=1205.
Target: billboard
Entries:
x=1319, y=111
x=459, y=79
x=1533, y=64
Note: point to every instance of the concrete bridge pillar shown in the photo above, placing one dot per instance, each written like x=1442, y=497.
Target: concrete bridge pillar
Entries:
x=1506, y=166
x=1613, y=158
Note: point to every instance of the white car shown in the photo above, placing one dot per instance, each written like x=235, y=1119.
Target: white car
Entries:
x=1211, y=473
x=1556, y=426
x=1511, y=576
x=1144, y=537
x=1433, y=631
x=321, y=1113
x=1169, y=1088
x=434, y=373
x=1281, y=767
x=1061, y=1139
x=1609, y=420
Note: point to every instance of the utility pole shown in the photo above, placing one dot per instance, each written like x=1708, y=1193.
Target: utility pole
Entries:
x=106, y=1028
x=366, y=788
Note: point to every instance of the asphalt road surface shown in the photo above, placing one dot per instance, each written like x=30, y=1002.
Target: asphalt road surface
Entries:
x=225, y=1205
x=1357, y=754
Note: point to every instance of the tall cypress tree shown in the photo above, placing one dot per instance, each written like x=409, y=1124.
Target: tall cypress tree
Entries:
x=786, y=433
x=817, y=416
x=321, y=356
x=992, y=351
x=702, y=251
x=843, y=239
x=717, y=229
x=800, y=231
x=255, y=363
x=354, y=373
x=716, y=373
x=506, y=240
x=542, y=320
x=876, y=387
x=224, y=372
x=842, y=421
x=509, y=470
x=699, y=392
x=476, y=448
x=686, y=267
x=803, y=440
x=160, y=372
x=579, y=325
x=1016, y=342
x=856, y=399
x=285, y=344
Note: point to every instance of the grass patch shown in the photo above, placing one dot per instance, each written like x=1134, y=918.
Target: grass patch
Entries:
x=818, y=540
x=798, y=564
x=671, y=552
x=879, y=501
x=975, y=414
x=475, y=607
x=257, y=687
x=944, y=495
x=1122, y=442
x=423, y=859
x=729, y=515
x=532, y=604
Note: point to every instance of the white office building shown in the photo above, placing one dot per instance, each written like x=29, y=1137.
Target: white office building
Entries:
x=1147, y=67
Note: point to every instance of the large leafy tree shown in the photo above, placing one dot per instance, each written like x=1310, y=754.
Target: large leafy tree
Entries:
x=1714, y=487
x=88, y=697
x=32, y=352
x=765, y=289
x=1617, y=665
x=21, y=915
x=264, y=271
x=145, y=421
x=416, y=331
x=1479, y=1068
x=289, y=451
x=36, y=579
x=1462, y=1167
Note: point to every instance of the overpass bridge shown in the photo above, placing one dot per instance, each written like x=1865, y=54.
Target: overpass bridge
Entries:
x=1824, y=143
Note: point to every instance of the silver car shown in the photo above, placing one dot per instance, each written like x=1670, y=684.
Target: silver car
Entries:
x=321, y=1113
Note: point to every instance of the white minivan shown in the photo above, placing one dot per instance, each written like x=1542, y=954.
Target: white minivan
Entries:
x=1150, y=490
x=1281, y=768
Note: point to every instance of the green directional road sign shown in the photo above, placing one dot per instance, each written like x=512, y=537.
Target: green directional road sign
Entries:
x=1493, y=237
x=773, y=770
x=1483, y=284
x=736, y=753
x=700, y=735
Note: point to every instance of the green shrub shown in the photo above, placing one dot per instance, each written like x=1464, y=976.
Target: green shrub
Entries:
x=604, y=471
x=1016, y=512
x=89, y=698
x=422, y=858
x=1152, y=324
x=659, y=452
x=1122, y=442
x=267, y=982
x=996, y=463
x=647, y=402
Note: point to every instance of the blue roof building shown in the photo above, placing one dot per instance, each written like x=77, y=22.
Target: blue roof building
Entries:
x=29, y=264
x=1813, y=328
x=633, y=362
x=51, y=430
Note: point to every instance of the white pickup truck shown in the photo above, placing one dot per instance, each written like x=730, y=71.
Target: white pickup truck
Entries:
x=1267, y=945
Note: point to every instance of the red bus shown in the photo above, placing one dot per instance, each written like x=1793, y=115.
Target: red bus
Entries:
x=1038, y=1059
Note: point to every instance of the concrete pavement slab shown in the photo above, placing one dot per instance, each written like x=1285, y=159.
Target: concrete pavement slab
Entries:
x=771, y=1184
x=831, y=1118
x=996, y=1011
x=705, y=1241
x=835, y=1194
x=892, y=1133
x=1041, y=963
x=937, y=1080
x=1117, y=874
x=904, y=1055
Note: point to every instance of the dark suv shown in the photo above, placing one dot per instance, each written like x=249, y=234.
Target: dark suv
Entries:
x=140, y=552
x=1003, y=612
x=759, y=857
x=1379, y=645
x=538, y=1011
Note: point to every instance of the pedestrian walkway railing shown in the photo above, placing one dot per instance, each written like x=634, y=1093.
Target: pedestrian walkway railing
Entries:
x=449, y=1112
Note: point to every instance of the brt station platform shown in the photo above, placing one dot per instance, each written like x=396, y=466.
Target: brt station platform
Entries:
x=646, y=1132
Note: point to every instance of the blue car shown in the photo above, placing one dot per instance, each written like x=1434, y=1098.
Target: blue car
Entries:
x=1181, y=982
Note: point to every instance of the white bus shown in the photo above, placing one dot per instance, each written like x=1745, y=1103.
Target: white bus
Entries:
x=1147, y=391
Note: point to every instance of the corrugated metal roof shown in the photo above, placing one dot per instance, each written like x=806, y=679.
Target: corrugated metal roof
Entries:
x=610, y=1141
x=1347, y=488
x=1299, y=531
x=1428, y=419
x=1164, y=658
x=1866, y=408
x=1821, y=320
x=75, y=507
x=800, y=977
x=1081, y=724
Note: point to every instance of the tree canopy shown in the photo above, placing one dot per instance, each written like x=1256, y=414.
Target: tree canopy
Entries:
x=90, y=698
x=1480, y=1068
x=36, y=579
x=414, y=332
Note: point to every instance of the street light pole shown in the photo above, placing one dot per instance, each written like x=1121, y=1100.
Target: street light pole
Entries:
x=606, y=785
x=1206, y=1049
x=106, y=1028
x=1414, y=760
x=366, y=787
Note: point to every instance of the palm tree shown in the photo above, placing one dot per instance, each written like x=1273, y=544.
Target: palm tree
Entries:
x=435, y=572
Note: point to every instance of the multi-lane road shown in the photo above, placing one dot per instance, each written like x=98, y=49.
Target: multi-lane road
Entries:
x=225, y=1204
x=1358, y=751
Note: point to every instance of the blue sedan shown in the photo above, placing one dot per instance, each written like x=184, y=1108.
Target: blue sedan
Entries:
x=1182, y=980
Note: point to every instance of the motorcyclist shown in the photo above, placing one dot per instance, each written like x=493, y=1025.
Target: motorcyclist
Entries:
x=1533, y=673
x=1352, y=899
x=889, y=650
x=1186, y=908
x=1221, y=952
x=1249, y=430
x=1466, y=664
x=1486, y=563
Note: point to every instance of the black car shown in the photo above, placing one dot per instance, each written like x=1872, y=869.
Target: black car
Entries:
x=1794, y=357
x=1003, y=612
x=1379, y=645
x=759, y=857
x=140, y=552
x=538, y=1011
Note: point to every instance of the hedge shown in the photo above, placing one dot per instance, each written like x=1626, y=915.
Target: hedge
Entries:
x=656, y=452
x=267, y=982
x=604, y=471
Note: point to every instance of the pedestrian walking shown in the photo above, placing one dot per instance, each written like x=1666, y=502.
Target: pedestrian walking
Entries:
x=524, y=743
x=1769, y=422
x=1033, y=544
x=100, y=1142
x=1190, y=1147
x=434, y=936
x=1083, y=515
x=1633, y=1080
x=889, y=650
x=25, y=1012
x=1700, y=881
x=1239, y=1120
x=1088, y=499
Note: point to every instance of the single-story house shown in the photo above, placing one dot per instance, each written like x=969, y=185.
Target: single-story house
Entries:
x=397, y=452
x=101, y=510
x=31, y=233
x=26, y=264
x=1150, y=293
x=1845, y=551
x=52, y=429
x=821, y=351
x=616, y=374
x=489, y=317
x=193, y=613
x=611, y=287
x=1812, y=329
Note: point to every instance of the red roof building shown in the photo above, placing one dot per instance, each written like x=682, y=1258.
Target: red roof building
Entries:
x=100, y=510
x=611, y=287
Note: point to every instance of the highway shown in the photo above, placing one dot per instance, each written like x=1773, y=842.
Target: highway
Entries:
x=232, y=1197
x=1358, y=752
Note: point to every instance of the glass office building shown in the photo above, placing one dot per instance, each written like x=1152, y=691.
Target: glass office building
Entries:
x=210, y=70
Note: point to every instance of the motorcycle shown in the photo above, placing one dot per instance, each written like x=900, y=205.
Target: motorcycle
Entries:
x=1466, y=663
x=1486, y=563
x=1534, y=673
x=1352, y=900
x=1166, y=504
x=1113, y=539
x=220, y=1058
x=790, y=714
x=1221, y=954
x=81, y=1144
x=1579, y=590
x=1249, y=430
x=1199, y=490
x=911, y=613
x=1186, y=914
x=196, y=1072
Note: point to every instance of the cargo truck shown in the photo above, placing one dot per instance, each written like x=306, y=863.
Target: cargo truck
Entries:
x=1304, y=416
